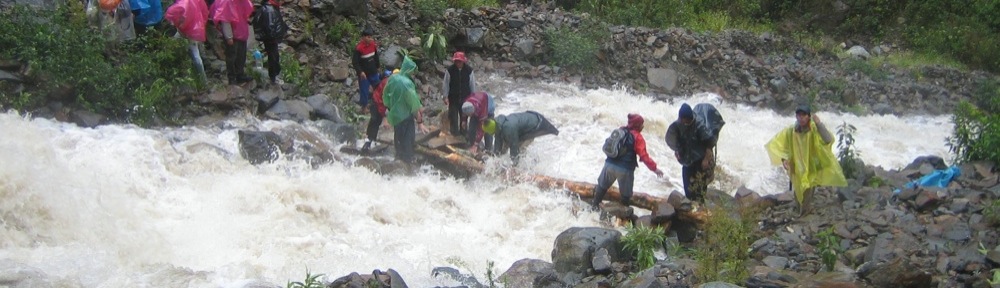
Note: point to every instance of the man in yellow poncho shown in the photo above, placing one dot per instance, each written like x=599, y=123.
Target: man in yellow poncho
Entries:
x=403, y=110
x=806, y=152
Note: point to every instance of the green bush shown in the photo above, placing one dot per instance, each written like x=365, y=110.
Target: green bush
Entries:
x=311, y=281
x=470, y=4
x=343, y=29
x=643, y=241
x=723, y=252
x=848, y=156
x=992, y=212
x=829, y=247
x=976, y=134
x=576, y=48
x=434, y=43
x=66, y=54
x=649, y=13
x=432, y=9
x=296, y=74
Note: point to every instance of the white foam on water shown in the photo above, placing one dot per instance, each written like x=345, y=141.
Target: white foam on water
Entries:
x=119, y=205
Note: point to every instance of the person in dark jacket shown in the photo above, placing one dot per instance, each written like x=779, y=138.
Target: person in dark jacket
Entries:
x=366, y=64
x=622, y=168
x=479, y=107
x=270, y=28
x=516, y=130
x=377, y=111
x=459, y=82
x=693, y=151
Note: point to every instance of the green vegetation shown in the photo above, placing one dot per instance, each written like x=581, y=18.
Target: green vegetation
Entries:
x=435, y=45
x=992, y=212
x=432, y=9
x=866, y=68
x=966, y=30
x=643, y=241
x=723, y=251
x=311, y=281
x=343, y=29
x=875, y=182
x=576, y=47
x=470, y=4
x=70, y=60
x=976, y=135
x=829, y=247
x=848, y=156
x=293, y=72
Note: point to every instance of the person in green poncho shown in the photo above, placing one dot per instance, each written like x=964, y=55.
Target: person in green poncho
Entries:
x=404, y=110
x=805, y=150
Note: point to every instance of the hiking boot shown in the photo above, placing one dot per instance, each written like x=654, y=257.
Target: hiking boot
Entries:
x=367, y=147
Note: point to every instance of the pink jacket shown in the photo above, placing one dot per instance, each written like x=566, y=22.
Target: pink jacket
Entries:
x=235, y=12
x=189, y=16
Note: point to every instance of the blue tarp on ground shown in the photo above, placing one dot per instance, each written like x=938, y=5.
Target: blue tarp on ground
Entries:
x=938, y=178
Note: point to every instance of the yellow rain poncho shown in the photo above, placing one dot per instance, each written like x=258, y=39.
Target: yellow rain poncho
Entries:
x=812, y=162
x=400, y=94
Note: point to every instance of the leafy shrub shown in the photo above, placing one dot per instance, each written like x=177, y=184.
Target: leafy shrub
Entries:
x=576, y=47
x=432, y=9
x=992, y=212
x=976, y=134
x=649, y=13
x=434, y=43
x=829, y=248
x=311, y=281
x=470, y=4
x=866, y=68
x=723, y=253
x=342, y=29
x=105, y=76
x=295, y=73
x=643, y=241
x=848, y=156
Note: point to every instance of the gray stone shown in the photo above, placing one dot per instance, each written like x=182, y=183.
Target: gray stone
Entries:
x=268, y=97
x=468, y=280
x=662, y=77
x=776, y=262
x=339, y=74
x=295, y=110
x=341, y=7
x=601, y=261
x=573, y=250
x=779, y=84
x=515, y=22
x=899, y=272
x=660, y=52
x=7, y=76
x=645, y=279
x=958, y=232
x=959, y=206
x=324, y=108
x=859, y=52
x=994, y=255
x=85, y=118
x=474, y=37
x=526, y=46
x=531, y=273
x=718, y=284
x=338, y=132
x=259, y=146
x=390, y=56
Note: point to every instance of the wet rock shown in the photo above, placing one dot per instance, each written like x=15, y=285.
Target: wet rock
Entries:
x=294, y=110
x=663, y=214
x=268, y=97
x=324, y=108
x=338, y=132
x=259, y=146
x=573, y=250
x=85, y=118
x=531, y=273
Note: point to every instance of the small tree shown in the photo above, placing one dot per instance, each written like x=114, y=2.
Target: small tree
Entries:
x=643, y=241
x=849, y=158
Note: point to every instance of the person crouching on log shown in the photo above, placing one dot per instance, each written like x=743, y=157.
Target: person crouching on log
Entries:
x=516, y=130
x=622, y=168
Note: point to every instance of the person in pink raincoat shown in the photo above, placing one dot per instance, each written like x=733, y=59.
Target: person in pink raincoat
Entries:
x=232, y=18
x=190, y=17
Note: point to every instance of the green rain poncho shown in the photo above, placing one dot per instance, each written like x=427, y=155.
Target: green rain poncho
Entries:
x=400, y=94
x=813, y=162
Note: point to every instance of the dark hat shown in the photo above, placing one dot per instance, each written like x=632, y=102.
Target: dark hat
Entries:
x=368, y=31
x=804, y=109
x=686, y=112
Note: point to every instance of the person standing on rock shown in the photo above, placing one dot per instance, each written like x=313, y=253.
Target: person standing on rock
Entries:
x=377, y=111
x=622, y=168
x=692, y=143
x=516, y=130
x=459, y=82
x=805, y=150
x=404, y=110
x=270, y=28
x=478, y=107
x=366, y=64
x=232, y=17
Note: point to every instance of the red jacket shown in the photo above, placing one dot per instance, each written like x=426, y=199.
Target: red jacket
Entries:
x=640, y=150
x=377, y=96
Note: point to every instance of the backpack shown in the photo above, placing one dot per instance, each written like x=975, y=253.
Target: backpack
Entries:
x=614, y=145
x=709, y=121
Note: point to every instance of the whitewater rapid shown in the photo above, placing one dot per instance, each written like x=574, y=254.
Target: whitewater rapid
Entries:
x=120, y=205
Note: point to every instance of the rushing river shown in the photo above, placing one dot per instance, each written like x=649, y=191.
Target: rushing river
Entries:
x=122, y=206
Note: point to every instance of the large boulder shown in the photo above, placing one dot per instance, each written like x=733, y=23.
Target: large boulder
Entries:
x=259, y=146
x=341, y=7
x=531, y=273
x=574, y=249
